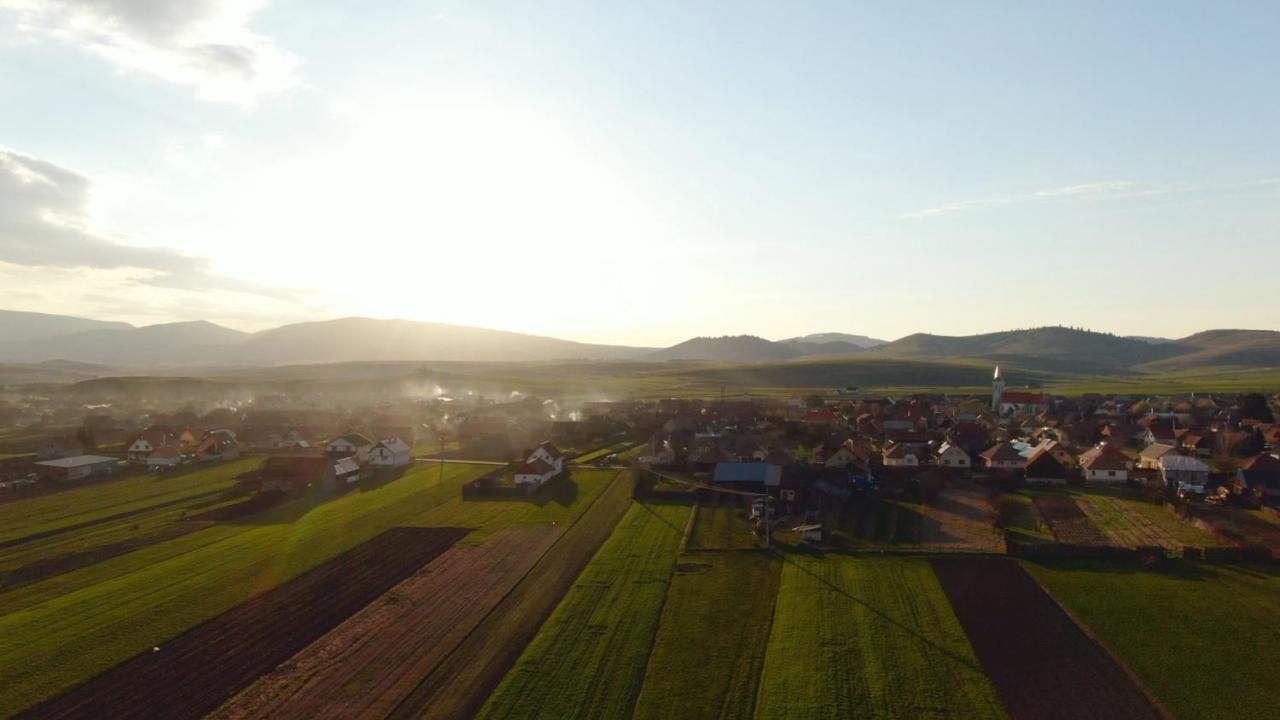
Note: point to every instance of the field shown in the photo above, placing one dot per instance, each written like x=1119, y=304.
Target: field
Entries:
x=459, y=685
x=879, y=523
x=369, y=664
x=722, y=522
x=56, y=633
x=959, y=520
x=589, y=658
x=1237, y=526
x=711, y=641
x=1130, y=522
x=869, y=637
x=194, y=673
x=1068, y=522
x=599, y=453
x=1201, y=637
x=1042, y=664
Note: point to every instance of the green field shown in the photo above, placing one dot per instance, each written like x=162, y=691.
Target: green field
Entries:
x=599, y=453
x=710, y=646
x=869, y=637
x=1130, y=521
x=60, y=631
x=104, y=498
x=1201, y=637
x=722, y=522
x=589, y=658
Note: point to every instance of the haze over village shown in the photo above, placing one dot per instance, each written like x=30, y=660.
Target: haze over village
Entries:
x=675, y=360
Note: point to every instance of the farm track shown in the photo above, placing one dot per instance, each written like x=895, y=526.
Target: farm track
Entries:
x=1011, y=621
x=37, y=571
x=460, y=684
x=367, y=665
x=196, y=672
x=1068, y=522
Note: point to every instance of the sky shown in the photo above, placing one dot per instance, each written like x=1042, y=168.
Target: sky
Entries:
x=642, y=173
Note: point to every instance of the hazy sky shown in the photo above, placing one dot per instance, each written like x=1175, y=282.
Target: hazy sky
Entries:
x=644, y=172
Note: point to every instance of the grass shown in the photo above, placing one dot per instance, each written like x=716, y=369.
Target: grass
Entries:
x=869, y=637
x=1024, y=520
x=722, y=522
x=1130, y=521
x=879, y=523
x=598, y=453
x=709, y=651
x=105, y=498
x=56, y=633
x=589, y=658
x=1200, y=637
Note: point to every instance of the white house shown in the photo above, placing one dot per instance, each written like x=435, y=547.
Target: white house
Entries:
x=1185, y=474
x=351, y=444
x=545, y=462
x=1105, y=464
x=949, y=455
x=145, y=444
x=390, y=453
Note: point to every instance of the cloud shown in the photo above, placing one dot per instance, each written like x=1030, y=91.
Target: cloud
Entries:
x=44, y=222
x=1112, y=189
x=206, y=44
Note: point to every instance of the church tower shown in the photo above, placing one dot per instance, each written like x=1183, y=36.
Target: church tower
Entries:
x=997, y=389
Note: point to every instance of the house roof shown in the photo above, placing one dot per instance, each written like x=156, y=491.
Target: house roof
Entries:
x=1023, y=398
x=354, y=438
x=896, y=452
x=395, y=445
x=1182, y=463
x=537, y=467
x=1104, y=457
x=1001, y=452
x=748, y=473
x=1155, y=451
x=551, y=449
x=77, y=461
x=345, y=466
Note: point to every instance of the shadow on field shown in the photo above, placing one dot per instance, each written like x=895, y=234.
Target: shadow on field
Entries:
x=1174, y=568
x=881, y=614
x=561, y=490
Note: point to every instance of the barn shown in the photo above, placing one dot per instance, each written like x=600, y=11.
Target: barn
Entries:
x=78, y=467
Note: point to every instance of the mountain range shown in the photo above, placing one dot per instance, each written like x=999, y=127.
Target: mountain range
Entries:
x=39, y=338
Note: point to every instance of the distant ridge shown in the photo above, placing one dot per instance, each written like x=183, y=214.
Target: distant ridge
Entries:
x=859, y=341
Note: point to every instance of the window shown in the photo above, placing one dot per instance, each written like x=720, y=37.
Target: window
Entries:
x=1111, y=473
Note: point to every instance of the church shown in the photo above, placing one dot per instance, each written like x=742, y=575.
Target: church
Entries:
x=1006, y=402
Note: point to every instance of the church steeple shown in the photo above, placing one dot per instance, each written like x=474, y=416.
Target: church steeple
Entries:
x=997, y=389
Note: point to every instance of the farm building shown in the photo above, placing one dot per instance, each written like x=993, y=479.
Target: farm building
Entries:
x=346, y=471
x=1105, y=463
x=900, y=456
x=1151, y=454
x=351, y=444
x=76, y=468
x=1261, y=473
x=290, y=473
x=390, y=453
x=810, y=533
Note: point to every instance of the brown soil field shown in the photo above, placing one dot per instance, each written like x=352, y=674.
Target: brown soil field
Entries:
x=1068, y=522
x=1043, y=665
x=460, y=685
x=960, y=519
x=367, y=665
x=196, y=672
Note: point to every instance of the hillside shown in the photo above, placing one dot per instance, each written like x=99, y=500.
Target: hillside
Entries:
x=1223, y=348
x=835, y=338
x=170, y=343
x=730, y=348
x=17, y=328
x=1049, y=348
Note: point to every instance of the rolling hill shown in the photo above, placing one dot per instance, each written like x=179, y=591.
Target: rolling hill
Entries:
x=1056, y=349
x=835, y=338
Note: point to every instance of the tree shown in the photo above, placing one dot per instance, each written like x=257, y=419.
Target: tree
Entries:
x=85, y=436
x=1254, y=406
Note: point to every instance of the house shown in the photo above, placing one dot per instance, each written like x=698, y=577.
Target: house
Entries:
x=1044, y=468
x=165, y=457
x=1002, y=456
x=1184, y=474
x=1105, y=463
x=541, y=464
x=1261, y=474
x=217, y=446
x=346, y=472
x=292, y=473
x=837, y=458
x=76, y=468
x=145, y=444
x=1151, y=454
x=350, y=445
x=750, y=477
x=900, y=456
x=951, y=456
x=59, y=447
x=390, y=453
